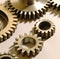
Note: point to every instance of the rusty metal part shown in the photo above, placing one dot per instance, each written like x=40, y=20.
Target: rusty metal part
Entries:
x=29, y=45
x=8, y=23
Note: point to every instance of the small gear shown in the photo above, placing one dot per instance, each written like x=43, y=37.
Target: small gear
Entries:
x=44, y=28
x=34, y=8
x=54, y=3
x=8, y=56
x=8, y=23
x=29, y=45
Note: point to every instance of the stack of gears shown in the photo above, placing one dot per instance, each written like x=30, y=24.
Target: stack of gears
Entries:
x=11, y=11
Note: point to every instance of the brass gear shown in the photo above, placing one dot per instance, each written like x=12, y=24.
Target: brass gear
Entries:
x=32, y=11
x=8, y=56
x=8, y=23
x=44, y=28
x=22, y=44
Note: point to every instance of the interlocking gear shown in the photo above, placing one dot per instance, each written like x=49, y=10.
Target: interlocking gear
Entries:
x=34, y=8
x=8, y=23
x=8, y=56
x=44, y=28
x=29, y=45
x=54, y=3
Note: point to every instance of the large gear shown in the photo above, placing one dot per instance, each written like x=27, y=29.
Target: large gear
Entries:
x=8, y=23
x=54, y=3
x=8, y=56
x=44, y=28
x=29, y=45
x=34, y=10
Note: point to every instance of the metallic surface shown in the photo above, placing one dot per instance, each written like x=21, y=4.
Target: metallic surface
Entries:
x=22, y=44
x=55, y=4
x=44, y=28
x=8, y=56
x=7, y=23
x=51, y=49
x=34, y=9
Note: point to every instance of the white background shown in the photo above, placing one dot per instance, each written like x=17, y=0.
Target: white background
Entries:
x=51, y=48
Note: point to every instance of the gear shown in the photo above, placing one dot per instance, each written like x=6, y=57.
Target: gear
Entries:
x=8, y=56
x=8, y=23
x=34, y=8
x=29, y=45
x=54, y=3
x=44, y=28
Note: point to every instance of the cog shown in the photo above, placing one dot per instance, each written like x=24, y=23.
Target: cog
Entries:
x=29, y=45
x=27, y=9
x=54, y=3
x=8, y=56
x=44, y=28
x=8, y=23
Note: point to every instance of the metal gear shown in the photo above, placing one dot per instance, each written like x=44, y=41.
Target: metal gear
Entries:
x=29, y=45
x=8, y=23
x=34, y=8
x=54, y=3
x=8, y=56
x=44, y=28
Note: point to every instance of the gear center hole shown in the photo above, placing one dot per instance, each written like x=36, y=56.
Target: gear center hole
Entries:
x=44, y=25
x=3, y=20
x=29, y=42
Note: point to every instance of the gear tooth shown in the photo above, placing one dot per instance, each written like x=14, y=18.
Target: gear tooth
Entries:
x=28, y=53
x=37, y=14
x=35, y=35
x=25, y=15
x=39, y=38
x=33, y=15
x=21, y=14
x=33, y=52
x=23, y=51
x=29, y=15
x=4, y=36
x=40, y=13
x=19, y=49
x=43, y=10
x=37, y=49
